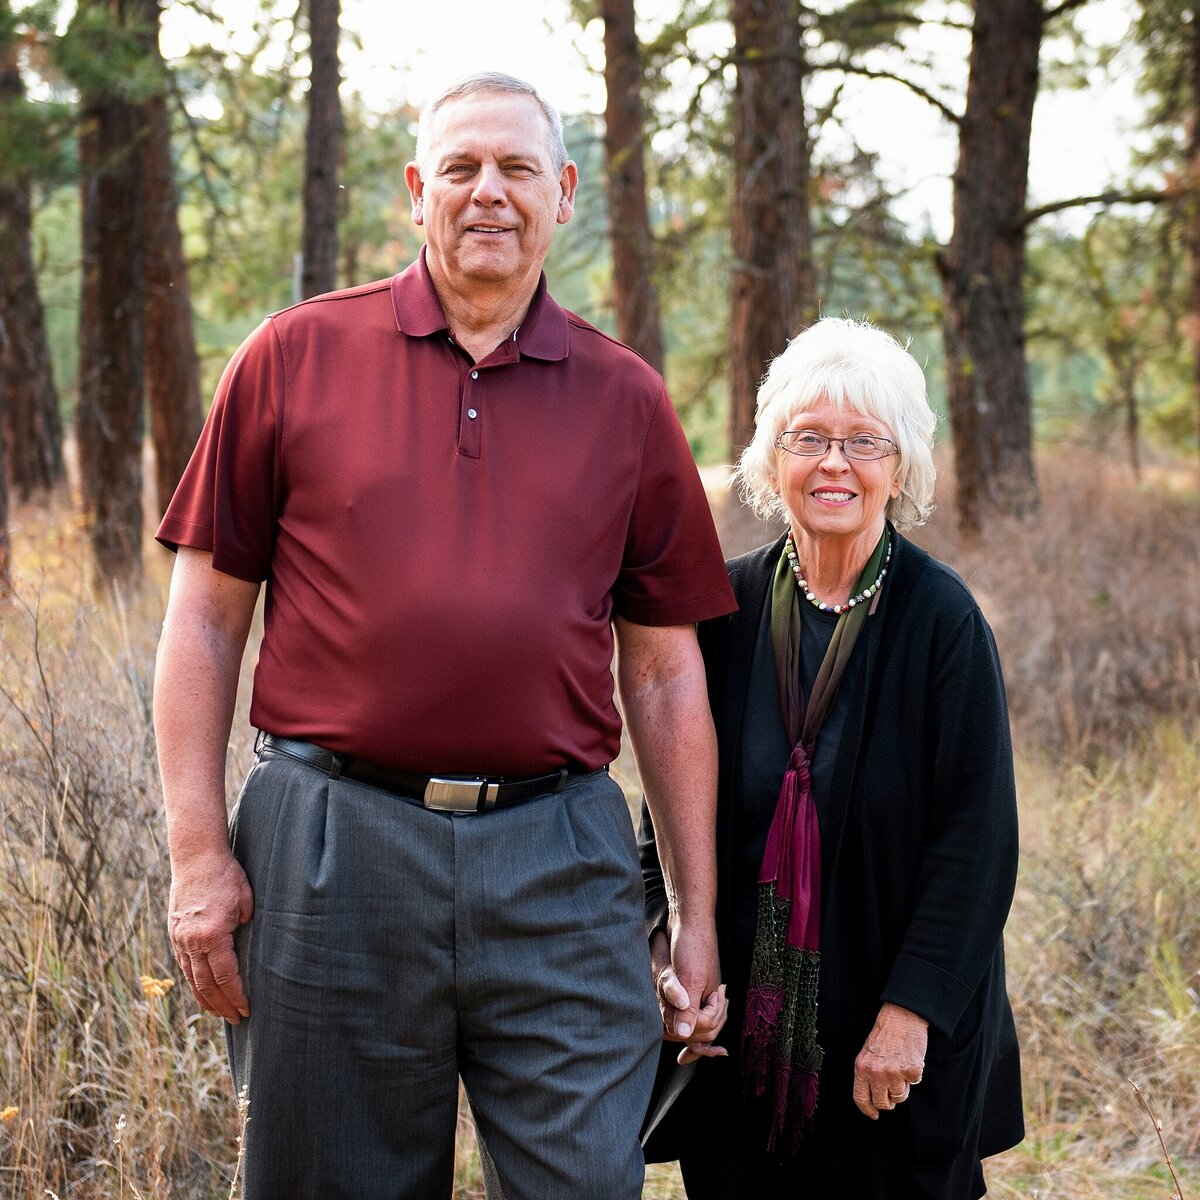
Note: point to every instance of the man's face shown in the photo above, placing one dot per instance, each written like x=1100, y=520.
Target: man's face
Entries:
x=490, y=194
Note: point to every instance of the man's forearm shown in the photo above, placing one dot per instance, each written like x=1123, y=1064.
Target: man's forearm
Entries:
x=676, y=754
x=195, y=691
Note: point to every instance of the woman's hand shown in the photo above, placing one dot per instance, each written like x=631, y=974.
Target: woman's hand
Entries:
x=891, y=1061
x=673, y=1002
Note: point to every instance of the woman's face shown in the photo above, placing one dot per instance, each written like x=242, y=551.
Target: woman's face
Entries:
x=830, y=495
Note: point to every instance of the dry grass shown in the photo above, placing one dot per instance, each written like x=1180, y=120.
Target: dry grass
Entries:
x=119, y=1085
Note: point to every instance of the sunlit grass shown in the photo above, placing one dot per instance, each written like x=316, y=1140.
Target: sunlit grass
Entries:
x=114, y=1087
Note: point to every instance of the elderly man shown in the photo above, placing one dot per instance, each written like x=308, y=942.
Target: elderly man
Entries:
x=455, y=491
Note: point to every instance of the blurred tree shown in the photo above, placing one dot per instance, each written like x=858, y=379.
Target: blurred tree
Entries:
x=772, y=285
x=634, y=292
x=31, y=426
x=322, y=149
x=1169, y=33
x=5, y=554
x=103, y=51
x=172, y=371
x=984, y=265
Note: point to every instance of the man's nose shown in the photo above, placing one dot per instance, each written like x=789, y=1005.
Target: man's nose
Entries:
x=489, y=186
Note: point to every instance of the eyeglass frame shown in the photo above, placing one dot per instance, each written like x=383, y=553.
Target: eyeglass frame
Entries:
x=895, y=449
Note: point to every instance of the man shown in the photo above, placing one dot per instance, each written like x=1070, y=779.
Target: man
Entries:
x=454, y=491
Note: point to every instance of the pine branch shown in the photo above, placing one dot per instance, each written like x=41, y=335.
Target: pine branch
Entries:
x=1111, y=197
x=851, y=68
x=1059, y=9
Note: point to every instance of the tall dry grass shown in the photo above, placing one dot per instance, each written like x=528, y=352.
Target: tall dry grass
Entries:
x=119, y=1084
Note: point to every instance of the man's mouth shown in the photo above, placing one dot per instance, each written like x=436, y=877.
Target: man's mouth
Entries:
x=489, y=229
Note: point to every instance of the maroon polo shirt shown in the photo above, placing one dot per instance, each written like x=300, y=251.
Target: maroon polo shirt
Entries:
x=445, y=543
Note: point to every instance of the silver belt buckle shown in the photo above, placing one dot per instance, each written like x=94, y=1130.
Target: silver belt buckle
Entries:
x=458, y=795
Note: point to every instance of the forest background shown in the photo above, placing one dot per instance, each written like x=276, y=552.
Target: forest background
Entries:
x=151, y=210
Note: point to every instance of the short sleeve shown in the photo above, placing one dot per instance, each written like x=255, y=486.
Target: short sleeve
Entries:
x=673, y=571
x=227, y=500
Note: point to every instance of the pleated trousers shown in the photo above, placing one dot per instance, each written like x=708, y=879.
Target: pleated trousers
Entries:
x=395, y=950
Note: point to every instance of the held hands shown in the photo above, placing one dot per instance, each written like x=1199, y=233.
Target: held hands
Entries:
x=210, y=898
x=891, y=1061
x=683, y=1020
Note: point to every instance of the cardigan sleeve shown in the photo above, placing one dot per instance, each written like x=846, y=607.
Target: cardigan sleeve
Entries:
x=657, y=906
x=968, y=865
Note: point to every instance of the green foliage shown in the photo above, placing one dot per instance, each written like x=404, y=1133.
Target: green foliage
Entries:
x=860, y=25
x=1106, y=313
x=33, y=141
x=105, y=55
x=56, y=252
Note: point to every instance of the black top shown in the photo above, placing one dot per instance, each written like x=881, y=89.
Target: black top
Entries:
x=919, y=857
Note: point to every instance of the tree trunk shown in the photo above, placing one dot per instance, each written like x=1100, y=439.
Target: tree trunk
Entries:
x=638, y=320
x=321, y=150
x=32, y=428
x=5, y=550
x=1192, y=205
x=984, y=265
x=1133, y=439
x=171, y=366
x=773, y=282
x=109, y=419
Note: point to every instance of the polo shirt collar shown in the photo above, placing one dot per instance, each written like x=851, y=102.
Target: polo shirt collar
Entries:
x=544, y=333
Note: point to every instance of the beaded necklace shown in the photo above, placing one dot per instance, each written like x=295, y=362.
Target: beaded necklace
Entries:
x=820, y=605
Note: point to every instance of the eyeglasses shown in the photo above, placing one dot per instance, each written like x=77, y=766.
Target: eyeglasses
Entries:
x=862, y=446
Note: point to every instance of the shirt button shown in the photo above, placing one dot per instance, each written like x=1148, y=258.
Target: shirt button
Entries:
x=474, y=374
x=472, y=413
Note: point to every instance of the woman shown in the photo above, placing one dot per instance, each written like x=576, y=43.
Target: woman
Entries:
x=867, y=832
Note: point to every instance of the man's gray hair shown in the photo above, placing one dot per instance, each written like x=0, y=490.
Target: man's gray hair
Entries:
x=493, y=81
x=855, y=367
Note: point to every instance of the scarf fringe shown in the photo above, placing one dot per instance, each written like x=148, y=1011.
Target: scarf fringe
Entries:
x=780, y=1053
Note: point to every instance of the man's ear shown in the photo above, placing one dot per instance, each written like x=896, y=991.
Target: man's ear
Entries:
x=568, y=181
x=416, y=190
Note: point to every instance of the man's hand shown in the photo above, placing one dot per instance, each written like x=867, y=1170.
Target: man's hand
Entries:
x=209, y=900
x=683, y=1021
x=891, y=1061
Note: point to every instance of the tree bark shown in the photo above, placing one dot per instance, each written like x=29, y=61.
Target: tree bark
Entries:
x=5, y=547
x=639, y=322
x=109, y=418
x=983, y=269
x=32, y=427
x=172, y=369
x=773, y=281
x=1192, y=205
x=321, y=151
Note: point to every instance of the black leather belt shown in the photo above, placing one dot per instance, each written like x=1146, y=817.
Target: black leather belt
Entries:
x=445, y=793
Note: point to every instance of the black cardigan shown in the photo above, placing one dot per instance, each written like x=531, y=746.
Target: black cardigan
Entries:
x=919, y=856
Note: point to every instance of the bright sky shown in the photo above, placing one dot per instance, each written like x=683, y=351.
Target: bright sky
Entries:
x=1081, y=139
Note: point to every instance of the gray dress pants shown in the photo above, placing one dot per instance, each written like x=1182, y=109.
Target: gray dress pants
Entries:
x=394, y=950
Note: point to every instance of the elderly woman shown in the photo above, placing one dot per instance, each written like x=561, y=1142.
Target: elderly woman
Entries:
x=867, y=831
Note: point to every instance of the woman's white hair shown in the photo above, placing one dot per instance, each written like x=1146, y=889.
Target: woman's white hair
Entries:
x=857, y=367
